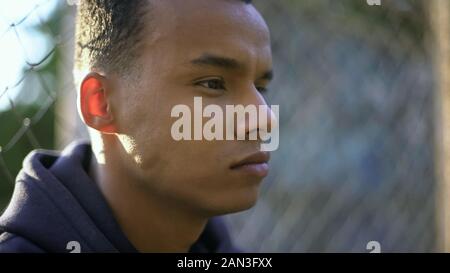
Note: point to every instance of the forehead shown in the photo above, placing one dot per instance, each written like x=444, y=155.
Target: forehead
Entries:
x=189, y=28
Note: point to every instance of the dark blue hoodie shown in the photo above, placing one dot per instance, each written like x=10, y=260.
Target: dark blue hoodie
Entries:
x=56, y=202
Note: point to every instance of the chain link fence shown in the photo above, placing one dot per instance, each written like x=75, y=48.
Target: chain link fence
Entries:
x=355, y=86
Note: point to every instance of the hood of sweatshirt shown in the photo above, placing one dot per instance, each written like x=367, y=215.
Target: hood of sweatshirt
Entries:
x=57, y=207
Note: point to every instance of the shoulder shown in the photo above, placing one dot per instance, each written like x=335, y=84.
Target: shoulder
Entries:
x=11, y=243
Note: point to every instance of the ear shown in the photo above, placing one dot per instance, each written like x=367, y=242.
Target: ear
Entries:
x=93, y=104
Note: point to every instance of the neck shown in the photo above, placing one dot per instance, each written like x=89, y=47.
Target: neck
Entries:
x=151, y=223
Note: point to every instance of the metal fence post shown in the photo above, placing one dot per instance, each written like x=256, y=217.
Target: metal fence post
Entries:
x=440, y=22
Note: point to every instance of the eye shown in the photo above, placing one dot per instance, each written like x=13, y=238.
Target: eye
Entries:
x=215, y=84
x=262, y=89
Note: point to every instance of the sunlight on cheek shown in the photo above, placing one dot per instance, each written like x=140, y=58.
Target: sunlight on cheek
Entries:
x=130, y=146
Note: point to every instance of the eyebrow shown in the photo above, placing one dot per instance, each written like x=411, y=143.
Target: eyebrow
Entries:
x=226, y=63
x=219, y=61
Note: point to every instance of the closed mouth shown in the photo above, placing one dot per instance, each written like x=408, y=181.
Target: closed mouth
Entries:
x=253, y=159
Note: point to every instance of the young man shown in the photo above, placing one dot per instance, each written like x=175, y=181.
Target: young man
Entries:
x=134, y=188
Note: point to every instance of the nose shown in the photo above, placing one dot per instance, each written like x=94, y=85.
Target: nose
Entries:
x=258, y=118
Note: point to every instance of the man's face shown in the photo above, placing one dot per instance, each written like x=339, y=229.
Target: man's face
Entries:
x=215, y=49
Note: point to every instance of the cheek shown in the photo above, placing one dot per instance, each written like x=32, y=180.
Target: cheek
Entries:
x=143, y=132
x=152, y=140
x=194, y=161
x=148, y=124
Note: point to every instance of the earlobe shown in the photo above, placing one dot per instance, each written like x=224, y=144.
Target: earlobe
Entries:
x=93, y=104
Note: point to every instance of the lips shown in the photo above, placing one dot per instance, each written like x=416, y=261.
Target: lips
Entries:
x=256, y=158
x=254, y=164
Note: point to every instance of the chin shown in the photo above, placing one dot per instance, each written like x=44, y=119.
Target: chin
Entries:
x=237, y=202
